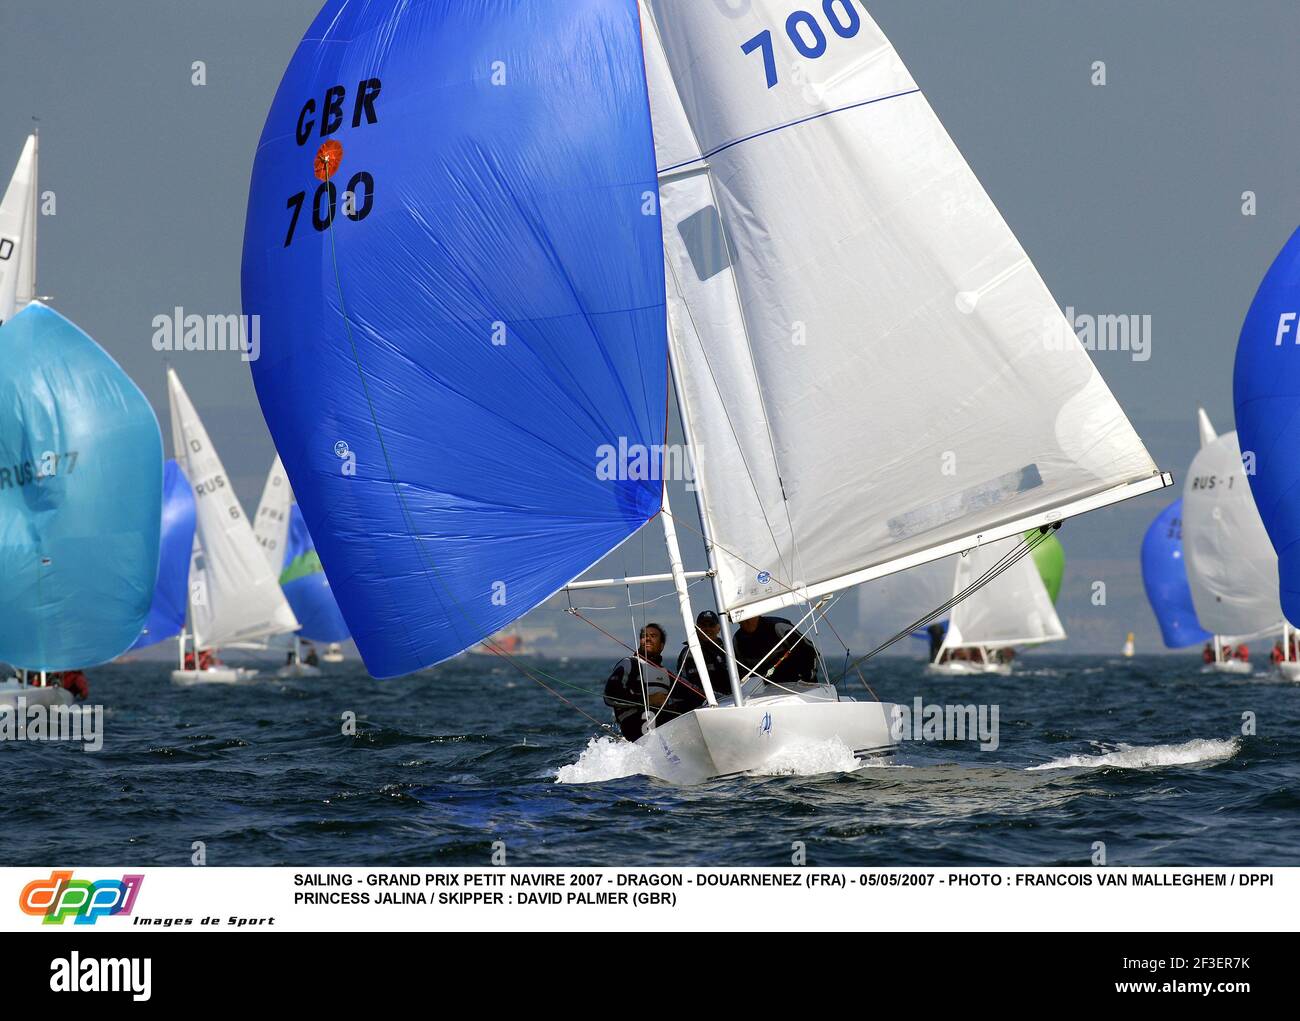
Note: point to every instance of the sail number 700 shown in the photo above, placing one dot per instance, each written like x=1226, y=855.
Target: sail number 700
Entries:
x=358, y=199
x=806, y=34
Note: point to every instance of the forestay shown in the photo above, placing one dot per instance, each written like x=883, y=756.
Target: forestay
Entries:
x=872, y=372
x=234, y=594
x=1231, y=566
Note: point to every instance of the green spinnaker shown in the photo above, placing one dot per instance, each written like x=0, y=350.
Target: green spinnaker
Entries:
x=1049, y=558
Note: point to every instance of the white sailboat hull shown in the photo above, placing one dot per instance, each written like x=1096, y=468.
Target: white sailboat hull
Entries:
x=965, y=668
x=12, y=691
x=215, y=675
x=725, y=740
x=1231, y=666
x=298, y=670
x=1290, y=670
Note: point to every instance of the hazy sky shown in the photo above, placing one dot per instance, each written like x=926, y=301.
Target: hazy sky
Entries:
x=1128, y=197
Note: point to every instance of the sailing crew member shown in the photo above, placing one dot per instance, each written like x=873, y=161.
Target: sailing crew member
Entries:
x=936, y=632
x=75, y=682
x=1207, y=654
x=311, y=659
x=775, y=650
x=1277, y=655
x=690, y=695
x=638, y=686
x=1242, y=653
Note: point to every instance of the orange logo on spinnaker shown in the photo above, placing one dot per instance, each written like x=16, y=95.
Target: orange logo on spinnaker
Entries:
x=328, y=158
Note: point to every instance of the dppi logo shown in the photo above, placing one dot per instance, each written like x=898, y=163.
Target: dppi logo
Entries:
x=61, y=897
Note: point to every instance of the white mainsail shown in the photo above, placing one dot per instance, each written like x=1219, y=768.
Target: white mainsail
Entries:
x=1231, y=564
x=871, y=372
x=271, y=526
x=888, y=604
x=234, y=594
x=18, y=235
x=1011, y=609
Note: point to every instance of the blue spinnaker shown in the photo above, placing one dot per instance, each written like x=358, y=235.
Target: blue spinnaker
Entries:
x=80, y=497
x=1165, y=576
x=1266, y=397
x=307, y=588
x=170, y=594
x=453, y=244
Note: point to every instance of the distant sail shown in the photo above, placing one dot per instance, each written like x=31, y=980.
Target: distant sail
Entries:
x=889, y=604
x=271, y=525
x=873, y=372
x=464, y=366
x=1231, y=566
x=234, y=594
x=1205, y=428
x=18, y=235
x=1266, y=395
x=306, y=587
x=81, y=475
x=1012, y=609
x=167, y=612
x=1164, y=574
x=1049, y=558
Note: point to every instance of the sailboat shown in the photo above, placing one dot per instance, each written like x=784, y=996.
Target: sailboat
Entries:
x=1265, y=392
x=167, y=611
x=234, y=596
x=1164, y=576
x=456, y=273
x=18, y=219
x=283, y=536
x=81, y=475
x=1014, y=609
x=1130, y=646
x=1231, y=566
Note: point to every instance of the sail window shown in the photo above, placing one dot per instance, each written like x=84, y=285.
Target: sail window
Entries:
x=705, y=242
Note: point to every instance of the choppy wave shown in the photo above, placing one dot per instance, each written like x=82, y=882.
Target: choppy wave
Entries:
x=811, y=759
x=1127, y=756
x=604, y=758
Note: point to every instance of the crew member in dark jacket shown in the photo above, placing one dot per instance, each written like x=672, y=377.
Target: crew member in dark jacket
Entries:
x=638, y=685
x=688, y=696
x=762, y=645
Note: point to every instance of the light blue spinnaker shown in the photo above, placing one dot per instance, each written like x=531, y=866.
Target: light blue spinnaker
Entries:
x=80, y=497
x=1266, y=398
x=170, y=594
x=453, y=243
x=307, y=588
x=1165, y=576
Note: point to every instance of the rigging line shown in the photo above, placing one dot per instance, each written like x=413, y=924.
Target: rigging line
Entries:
x=794, y=630
x=637, y=653
x=1008, y=560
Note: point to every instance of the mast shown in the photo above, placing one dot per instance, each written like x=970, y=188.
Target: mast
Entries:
x=728, y=646
x=684, y=599
x=33, y=208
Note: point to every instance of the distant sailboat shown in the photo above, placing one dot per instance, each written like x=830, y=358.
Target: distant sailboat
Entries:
x=1164, y=575
x=167, y=612
x=1129, y=647
x=282, y=534
x=1231, y=566
x=18, y=219
x=234, y=595
x=1014, y=609
x=81, y=476
x=813, y=270
x=1266, y=393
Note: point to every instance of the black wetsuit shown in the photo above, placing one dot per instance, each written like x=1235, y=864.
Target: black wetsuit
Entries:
x=683, y=699
x=795, y=662
x=625, y=694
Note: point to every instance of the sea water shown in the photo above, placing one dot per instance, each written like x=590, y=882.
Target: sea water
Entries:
x=1148, y=758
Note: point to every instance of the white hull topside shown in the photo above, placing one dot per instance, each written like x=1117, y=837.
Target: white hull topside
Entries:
x=298, y=670
x=11, y=692
x=724, y=740
x=1290, y=669
x=215, y=675
x=965, y=667
x=1231, y=666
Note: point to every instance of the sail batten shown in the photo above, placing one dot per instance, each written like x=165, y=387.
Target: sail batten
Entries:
x=875, y=373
